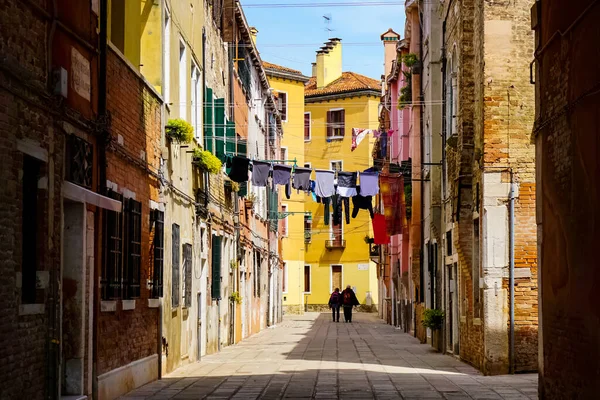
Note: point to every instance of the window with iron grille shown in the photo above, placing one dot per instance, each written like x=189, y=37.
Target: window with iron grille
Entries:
x=158, y=218
x=112, y=267
x=31, y=172
x=187, y=275
x=132, y=272
x=216, y=267
x=175, y=268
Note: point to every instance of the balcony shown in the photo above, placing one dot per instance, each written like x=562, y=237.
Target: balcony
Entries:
x=374, y=252
x=336, y=244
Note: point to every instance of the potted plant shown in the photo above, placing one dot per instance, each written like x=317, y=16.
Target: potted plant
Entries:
x=235, y=298
x=369, y=240
x=206, y=161
x=179, y=130
x=250, y=199
x=434, y=319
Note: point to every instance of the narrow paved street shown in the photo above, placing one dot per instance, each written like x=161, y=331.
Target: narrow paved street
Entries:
x=310, y=357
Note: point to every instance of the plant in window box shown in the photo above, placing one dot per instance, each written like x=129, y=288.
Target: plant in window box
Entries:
x=369, y=240
x=179, y=130
x=235, y=298
x=235, y=187
x=250, y=200
x=206, y=161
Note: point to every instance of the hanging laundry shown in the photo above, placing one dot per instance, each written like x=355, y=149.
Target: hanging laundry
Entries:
x=239, y=169
x=282, y=175
x=369, y=183
x=301, y=179
x=324, y=183
x=346, y=184
x=379, y=230
x=358, y=135
x=362, y=203
x=383, y=143
x=376, y=134
x=391, y=187
x=312, y=192
x=260, y=173
x=338, y=203
x=327, y=203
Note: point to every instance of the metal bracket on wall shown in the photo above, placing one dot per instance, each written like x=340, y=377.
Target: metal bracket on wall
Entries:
x=276, y=215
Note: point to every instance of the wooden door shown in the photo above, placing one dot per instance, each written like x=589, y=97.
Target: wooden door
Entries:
x=336, y=277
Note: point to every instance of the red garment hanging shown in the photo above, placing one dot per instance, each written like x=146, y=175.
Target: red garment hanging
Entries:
x=379, y=230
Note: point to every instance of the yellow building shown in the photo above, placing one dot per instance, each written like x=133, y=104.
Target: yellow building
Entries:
x=335, y=103
x=288, y=85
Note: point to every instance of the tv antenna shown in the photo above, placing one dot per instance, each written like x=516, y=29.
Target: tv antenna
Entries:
x=327, y=18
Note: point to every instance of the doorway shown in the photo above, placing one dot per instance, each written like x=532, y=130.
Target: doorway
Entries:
x=453, y=337
x=336, y=277
x=199, y=326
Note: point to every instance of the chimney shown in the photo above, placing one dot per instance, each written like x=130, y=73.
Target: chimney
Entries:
x=329, y=62
x=253, y=33
x=390, y=41
x=314, y=69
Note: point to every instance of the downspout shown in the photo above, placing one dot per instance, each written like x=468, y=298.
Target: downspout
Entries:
x=511, y=284
x=102, y=142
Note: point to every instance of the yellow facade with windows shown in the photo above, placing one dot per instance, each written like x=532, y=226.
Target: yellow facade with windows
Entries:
x=339, y=256
x=288, y=85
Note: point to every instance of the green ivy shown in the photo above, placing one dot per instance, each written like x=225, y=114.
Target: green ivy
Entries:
x=179, y=130
x=206, y=161
x=433, y=318
x=235, y=298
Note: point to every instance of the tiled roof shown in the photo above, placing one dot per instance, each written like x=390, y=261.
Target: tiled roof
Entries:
x=348, y=82
x=279, y=68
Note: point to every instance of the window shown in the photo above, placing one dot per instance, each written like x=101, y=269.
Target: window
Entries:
x=285, y=276
x=284, y=153
x=167, y=58
x=175, y=266
x=282, y=105
x=336, y=277
x=307, y=279
x=307, y=133
x=307, y=228
x=132, y=276
x=335, y=124
x=283, y=222
x=475, y=272
x=336, y=165
x=196, y=93
x=215, y=288
x=113, y=251
x=257, y=280
x=31, y=172
x=158, y=218
x=449, y=251
x=182, y=81
x=336, y=232
x=187, y=275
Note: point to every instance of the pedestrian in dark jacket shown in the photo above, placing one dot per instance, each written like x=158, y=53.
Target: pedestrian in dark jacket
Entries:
x=349, y=300
x=335, y=301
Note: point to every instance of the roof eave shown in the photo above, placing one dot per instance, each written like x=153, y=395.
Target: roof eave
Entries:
x=287, y=75
x=341, y=95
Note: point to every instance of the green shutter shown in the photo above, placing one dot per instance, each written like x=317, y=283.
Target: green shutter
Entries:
x=243, y=192
x=272, y=206
x=208, y=119
x=220, y=129
x=242, y=147
x=230, y=145
x=215, y=288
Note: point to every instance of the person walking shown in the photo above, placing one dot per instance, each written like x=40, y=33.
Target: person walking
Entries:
x=335, y=301
x=349, y=300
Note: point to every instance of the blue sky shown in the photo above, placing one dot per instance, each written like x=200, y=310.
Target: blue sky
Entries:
x=290, y=36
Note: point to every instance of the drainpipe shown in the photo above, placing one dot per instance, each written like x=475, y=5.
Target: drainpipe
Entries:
x=512, y=274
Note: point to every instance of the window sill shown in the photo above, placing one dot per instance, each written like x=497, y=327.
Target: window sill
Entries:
x=32, y=309
x=108, y=306
x=128, y=305
x=153, y=303
x=476, y=321
x=330, y=138
x=307, y=140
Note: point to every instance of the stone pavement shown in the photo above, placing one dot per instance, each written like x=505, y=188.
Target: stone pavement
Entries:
x=309, y=356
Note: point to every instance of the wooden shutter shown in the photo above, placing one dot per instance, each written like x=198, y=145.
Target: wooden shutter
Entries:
x=306, y=126
x=216, y=268
x=187, y=262
x=283, y=109
x=175, y=267
x=342, y=122
x=307, y=278
x=208, y=119
x=329, y=125
x=132, y=275
x=159, y=244
x=219, y=150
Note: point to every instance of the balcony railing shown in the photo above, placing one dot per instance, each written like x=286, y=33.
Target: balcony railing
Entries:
x=335, y=244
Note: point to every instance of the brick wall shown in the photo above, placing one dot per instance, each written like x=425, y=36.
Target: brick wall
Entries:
x=126, y=336
x=566, y=137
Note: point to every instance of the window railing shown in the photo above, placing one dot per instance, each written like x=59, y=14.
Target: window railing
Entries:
x=335, y=244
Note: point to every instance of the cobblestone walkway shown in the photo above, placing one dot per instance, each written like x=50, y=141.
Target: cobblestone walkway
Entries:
x=308, y=356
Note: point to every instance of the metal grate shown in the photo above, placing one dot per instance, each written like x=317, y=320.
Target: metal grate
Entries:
x=187, y=275
x=175, y=267
x=158, y=218
x=79, y=161
x=113, y=252
x=132, y=276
